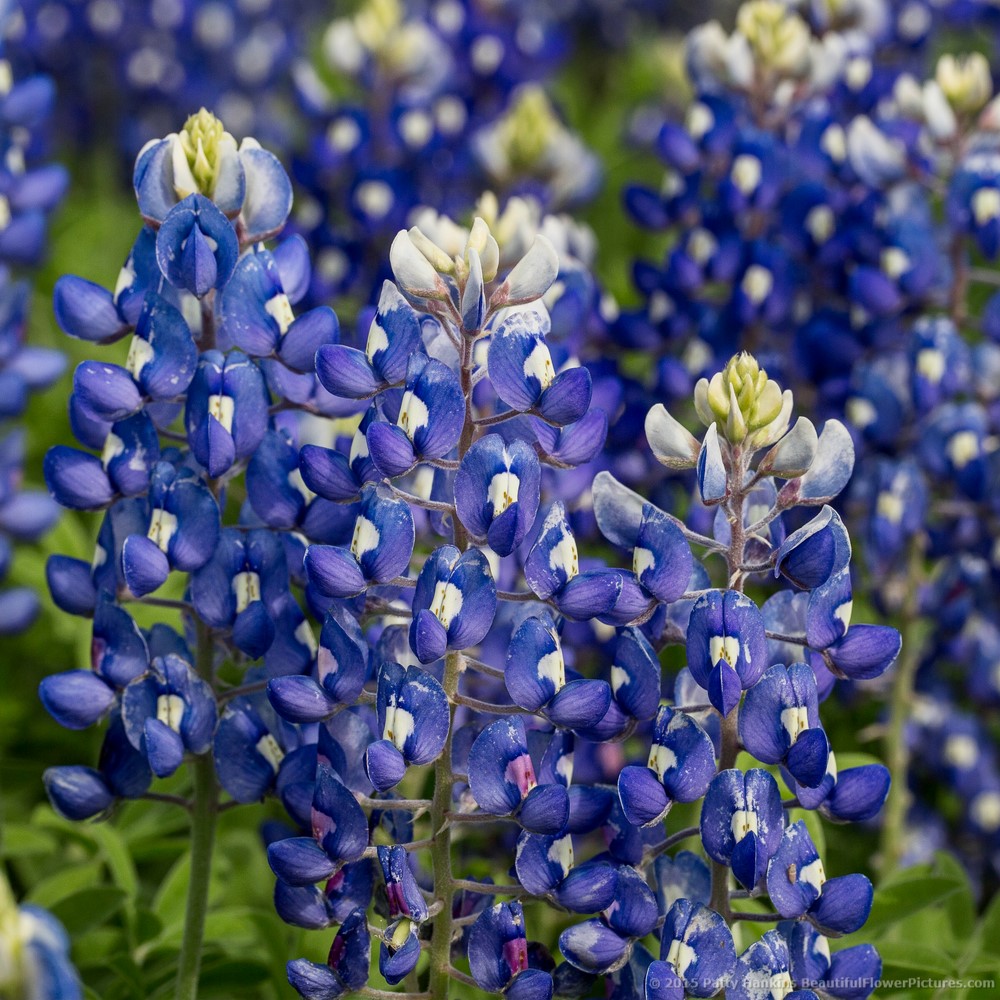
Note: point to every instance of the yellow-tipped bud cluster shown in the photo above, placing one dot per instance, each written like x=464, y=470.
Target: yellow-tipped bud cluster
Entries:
x=965, y=81
x=376, y=21
x=528, y=129
x=454, y=256
x=203, y=140
x=749, y=407
x=779, y=39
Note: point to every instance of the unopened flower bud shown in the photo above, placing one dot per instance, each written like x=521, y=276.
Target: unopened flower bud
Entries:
x=199, y=153
x=745, y=402
x=778, y=38
x=965, y=81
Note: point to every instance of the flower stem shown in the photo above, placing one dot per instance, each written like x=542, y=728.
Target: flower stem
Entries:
x=204, y=812
x=444, y=885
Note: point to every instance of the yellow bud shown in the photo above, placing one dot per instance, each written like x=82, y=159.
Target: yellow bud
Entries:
x=736, y=427
x=701, y=404
x=528, y=129
x=718, y=396
x=778, y=38
x=965, y=81
x=767, y=404
x=744, y=401
x=202, y=139
x=437, y=258
x=478, y=235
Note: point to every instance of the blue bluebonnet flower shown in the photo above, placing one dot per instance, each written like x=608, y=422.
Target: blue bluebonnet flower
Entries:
x=347, y=965
x=413, y=720
x=779, y=722
x=681, y=766
x=392, y=337
x=341, y=670
x=428, y=422
x=536, y=678
x=523, y=376
x=742, y=822
x=499, y=956
x=36, y=952
x=400, y=948
x=766, y=965
x=497, y=492
x=30, y=191
x=380, y=548
x=797, y=885
x=726, y=646
x=339, y=835
x=453, y=604
x=168, y=712
x=697, y=954
x=503, y=780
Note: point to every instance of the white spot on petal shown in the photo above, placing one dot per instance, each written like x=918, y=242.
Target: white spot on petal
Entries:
x=170, y=710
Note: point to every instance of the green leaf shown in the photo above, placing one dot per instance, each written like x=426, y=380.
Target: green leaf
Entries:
x=226, y=978
x=119, y=861
x=65, y=883
x=89, y=908
x=171, y=898
x=148, y=926
x=981, y=955
x=901, y=960
x=896, y=901
x=94, y=947
x=21, y=840
x=960, y=906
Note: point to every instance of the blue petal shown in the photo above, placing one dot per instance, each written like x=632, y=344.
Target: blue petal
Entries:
x=77, y=480
x=299, y=861
x=86, y=311
x=593, y=947
x=75, y=699
x=268, y=198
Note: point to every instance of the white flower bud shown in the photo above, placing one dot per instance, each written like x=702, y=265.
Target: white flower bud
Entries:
x=531, y=276
x=414, y=273
x=672, y=444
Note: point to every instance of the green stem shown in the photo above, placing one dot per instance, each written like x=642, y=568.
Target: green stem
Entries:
x=444, y=887
x=897, y=753
x=204, y=812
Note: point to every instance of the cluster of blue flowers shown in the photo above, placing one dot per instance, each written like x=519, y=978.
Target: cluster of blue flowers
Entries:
x=426, y=105
x=34, y=948
x=128, y=71
x=255, y=474
x=209, y=311
x=30, y=189
x=405, y=104
x=804, y=189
